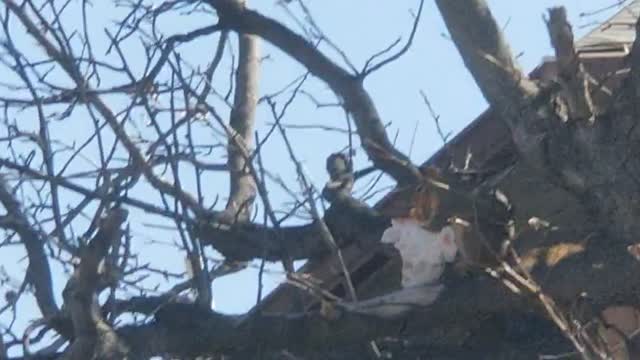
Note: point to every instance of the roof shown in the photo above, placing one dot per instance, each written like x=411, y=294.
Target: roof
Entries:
x=602, y=51
x=614, y=35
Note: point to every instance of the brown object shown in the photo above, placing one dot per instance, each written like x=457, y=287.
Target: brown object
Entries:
x=621, y=325
x=420, y=201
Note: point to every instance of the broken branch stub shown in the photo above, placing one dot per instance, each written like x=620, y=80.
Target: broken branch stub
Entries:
x=571, y=73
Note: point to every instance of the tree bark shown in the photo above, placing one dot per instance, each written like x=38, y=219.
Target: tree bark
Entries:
x=486, y=53
x=242, y=185
x=94, y=338
x=591, y=160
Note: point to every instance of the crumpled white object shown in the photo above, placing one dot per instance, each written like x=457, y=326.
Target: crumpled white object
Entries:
x=424, y=254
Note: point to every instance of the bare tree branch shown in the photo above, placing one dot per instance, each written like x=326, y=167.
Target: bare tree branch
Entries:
x=370, y=69
x=348, y=219
x=356, y=100
x=572, y=75
x=486, y=54
x=67, y=64
x=39, y=270
x=158, y=123
x=93, y=336
x=242, y=185
x=177, y=325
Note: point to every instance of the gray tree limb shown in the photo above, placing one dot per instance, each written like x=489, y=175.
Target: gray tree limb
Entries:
x=572, y=75
x=39, y=269
x=346, y=85
x=486, y=53
x=186, y=330
x=242, y=120
x=94, y=338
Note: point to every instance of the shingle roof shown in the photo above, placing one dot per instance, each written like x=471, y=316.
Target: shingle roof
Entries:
x=615, y=34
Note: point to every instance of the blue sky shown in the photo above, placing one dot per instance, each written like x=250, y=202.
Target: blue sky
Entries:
x=360, y=28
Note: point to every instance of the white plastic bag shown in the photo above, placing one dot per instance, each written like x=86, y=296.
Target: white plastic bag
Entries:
x=424, y=255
